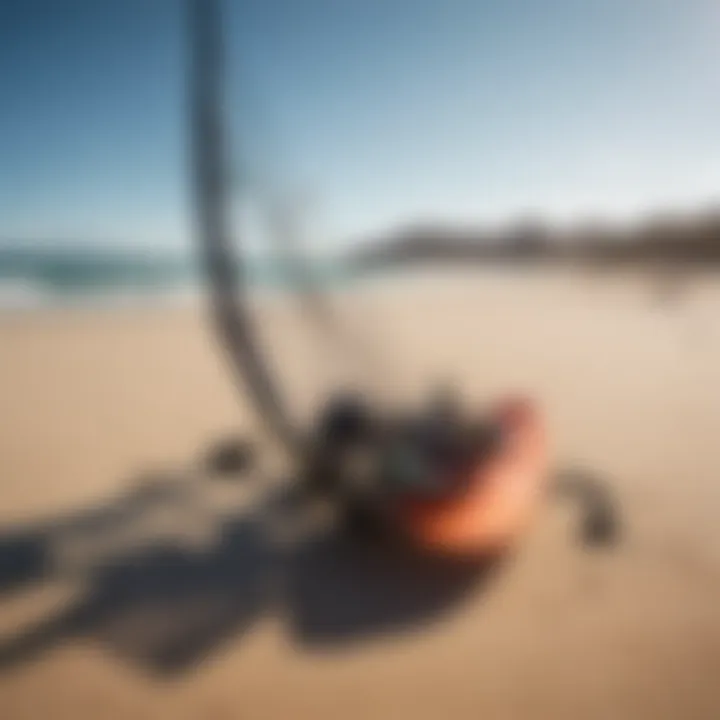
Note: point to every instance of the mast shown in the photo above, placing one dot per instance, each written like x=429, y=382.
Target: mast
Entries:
x=223, y=264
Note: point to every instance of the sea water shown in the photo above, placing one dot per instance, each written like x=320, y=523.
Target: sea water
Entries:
x=34, y=276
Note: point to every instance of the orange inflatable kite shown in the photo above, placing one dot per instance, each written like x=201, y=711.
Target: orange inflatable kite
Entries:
x=487, y=509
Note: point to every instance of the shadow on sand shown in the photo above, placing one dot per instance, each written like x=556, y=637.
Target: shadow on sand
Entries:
x=165, y=607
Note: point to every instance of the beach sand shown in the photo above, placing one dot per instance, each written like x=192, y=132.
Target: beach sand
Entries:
x=95, y=402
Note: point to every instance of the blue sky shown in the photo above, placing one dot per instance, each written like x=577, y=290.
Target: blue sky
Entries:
x=370, y=112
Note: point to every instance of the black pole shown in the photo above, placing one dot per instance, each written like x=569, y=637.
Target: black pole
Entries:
x=223, y=267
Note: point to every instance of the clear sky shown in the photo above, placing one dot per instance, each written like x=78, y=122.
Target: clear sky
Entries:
x=372, y=111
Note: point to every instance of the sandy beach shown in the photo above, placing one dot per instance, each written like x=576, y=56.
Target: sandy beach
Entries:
x=96, y=403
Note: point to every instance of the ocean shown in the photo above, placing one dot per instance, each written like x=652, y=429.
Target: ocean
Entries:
x=36, y=276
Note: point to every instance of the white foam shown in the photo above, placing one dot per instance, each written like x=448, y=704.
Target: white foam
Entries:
x=19, y=294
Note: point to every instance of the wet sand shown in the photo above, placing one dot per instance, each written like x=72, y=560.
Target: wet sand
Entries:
x=96, y=403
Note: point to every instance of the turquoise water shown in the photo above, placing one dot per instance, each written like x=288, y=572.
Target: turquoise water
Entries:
x=34, y=275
